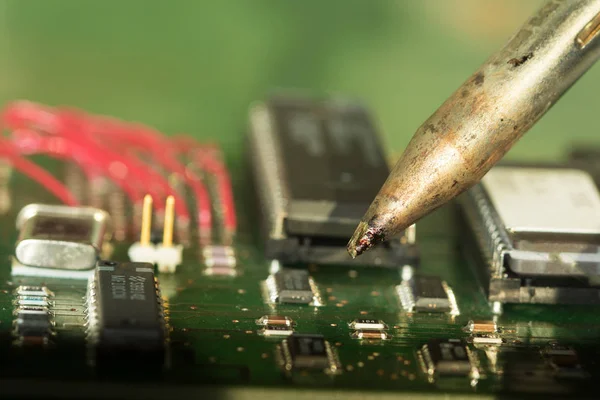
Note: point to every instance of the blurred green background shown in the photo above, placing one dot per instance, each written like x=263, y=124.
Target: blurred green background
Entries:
x=194, y=66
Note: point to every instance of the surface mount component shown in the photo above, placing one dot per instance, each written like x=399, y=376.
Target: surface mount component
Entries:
x=126, y=317
x=306, y=351
x=317, y=165
x=219, y=260
x=564, y=362
x=482, y=327
x=368, y=324
x=369, y=329
x=61, y=237
x=275, y=325
x=275, y=320
x=292, y=286
x=276, y=330
x=377, y=334
x=538, y=230
x=32, y=323
x=427, y=294
x=445, y=358
x=483, y=333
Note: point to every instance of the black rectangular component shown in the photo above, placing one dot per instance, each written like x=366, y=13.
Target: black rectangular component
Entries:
x=430, y=295
x=308, y=351
x=291, y=286
x=336, y=142
x=447, y=358
x=317, y=165
x=126, y=316
x=32, y=321
x=565, y=362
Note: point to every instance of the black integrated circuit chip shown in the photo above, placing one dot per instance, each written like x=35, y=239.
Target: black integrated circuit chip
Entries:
x=446, y=358
x=430, y=295
x=317, y=165
x=126, y=318
x=308, y=351
x=291, y=286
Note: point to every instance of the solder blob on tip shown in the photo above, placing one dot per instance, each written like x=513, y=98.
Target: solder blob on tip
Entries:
x=361, y=240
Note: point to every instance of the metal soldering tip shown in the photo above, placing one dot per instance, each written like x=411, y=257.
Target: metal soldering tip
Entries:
x=364, y=238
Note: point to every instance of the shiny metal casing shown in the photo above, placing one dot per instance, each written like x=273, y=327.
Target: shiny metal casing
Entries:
x=62, y=237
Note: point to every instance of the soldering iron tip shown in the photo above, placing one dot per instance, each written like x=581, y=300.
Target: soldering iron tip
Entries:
x=363, y=239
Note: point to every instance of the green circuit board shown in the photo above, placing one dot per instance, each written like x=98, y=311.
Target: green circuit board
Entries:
x=214, y=337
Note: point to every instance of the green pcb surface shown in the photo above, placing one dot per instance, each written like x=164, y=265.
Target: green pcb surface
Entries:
x=214, y=335
x=194, y=67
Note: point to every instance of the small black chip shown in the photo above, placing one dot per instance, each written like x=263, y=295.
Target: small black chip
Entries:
x=446, y=358
x=33, y=321
x=564, y=361
x=427, y=294
x=308, y=351
x=291, y=286
x=430, y=294
x=126, y=315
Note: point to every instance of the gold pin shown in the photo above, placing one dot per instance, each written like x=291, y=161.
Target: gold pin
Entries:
x=146, y=221
x=169, y=221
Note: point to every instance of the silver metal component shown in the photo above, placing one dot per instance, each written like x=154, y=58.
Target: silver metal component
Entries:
x=487, y=340
x=275, y=196
x=497, y=308
x=536, y=225
x=61, y=237
x=19, y=270
x=484, y=117
x=527, y=199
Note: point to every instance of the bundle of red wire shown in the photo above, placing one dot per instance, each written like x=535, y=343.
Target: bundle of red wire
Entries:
x=104, y=146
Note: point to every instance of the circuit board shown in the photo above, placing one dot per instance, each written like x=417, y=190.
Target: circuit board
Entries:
x=216, y=338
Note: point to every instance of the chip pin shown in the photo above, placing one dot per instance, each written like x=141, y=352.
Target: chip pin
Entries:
x=146, y=221
x=169, y=222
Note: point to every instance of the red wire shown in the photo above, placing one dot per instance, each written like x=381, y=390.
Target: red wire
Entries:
x=152, y=142
x=159, y=186
x=208, y=158
x=37, y=173
x=83, y=139
x=28, y=142
x=75, y=126
x=208, y=161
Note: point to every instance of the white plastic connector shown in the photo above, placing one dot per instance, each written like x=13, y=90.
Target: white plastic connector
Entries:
x=142, y=253
x=168, y=258
x=166, y=255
